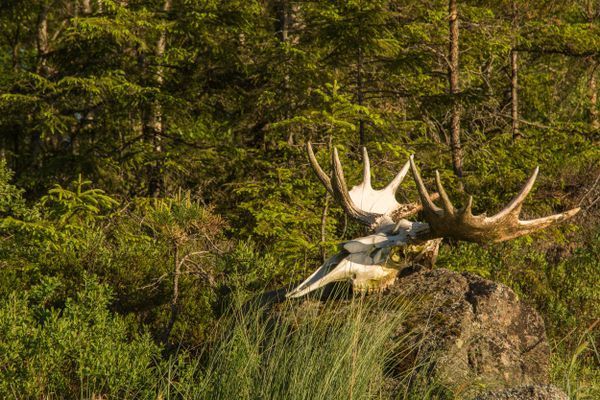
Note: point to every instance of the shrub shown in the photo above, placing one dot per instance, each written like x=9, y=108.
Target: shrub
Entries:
x=79, y=351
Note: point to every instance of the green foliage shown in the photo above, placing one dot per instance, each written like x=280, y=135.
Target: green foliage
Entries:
x=190, y=118
x=248, y=270
x=84, y=204
x=80, y=351
x=72, y=232
x=11, y=198
x=277, y=214
x=84, y=350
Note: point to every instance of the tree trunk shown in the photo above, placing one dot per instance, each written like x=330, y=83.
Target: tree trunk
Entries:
x=283, y=19
x=289, y=21
x=42, y=40
x=514, y=75
x=360, y=84
x=288, y=24
x=453, y=79
x=41, y=69
x=15, y=56
x=155, y=121
x=360, y=95
x=324, y=226
x=514, y=94
x=86, y=7
x=593, y=93
x=284, y=15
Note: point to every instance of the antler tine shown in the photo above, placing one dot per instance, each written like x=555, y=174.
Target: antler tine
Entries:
x=541, y=223
x=375, y=208
x=463, y=225
x=446, y=203
x=317, y=168
x=423, y=194
x=367, y=168
x=514, y=207
x=340, y=192
x=395, y=183
x=467, y=209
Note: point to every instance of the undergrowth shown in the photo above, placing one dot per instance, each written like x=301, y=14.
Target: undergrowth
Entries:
x=340, y=350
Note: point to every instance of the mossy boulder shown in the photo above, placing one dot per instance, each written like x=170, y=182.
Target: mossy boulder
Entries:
x=471, y=331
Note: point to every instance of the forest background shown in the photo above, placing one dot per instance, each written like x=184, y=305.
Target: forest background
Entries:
x=153, y=163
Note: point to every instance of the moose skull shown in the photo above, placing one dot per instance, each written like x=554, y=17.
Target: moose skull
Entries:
x=368, y=262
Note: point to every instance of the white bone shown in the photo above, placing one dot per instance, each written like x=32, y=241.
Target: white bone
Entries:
x=358, y=266
x=382, y=201
x=365, y=261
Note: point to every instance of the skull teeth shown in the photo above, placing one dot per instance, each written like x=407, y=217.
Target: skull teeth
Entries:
x=375, y=285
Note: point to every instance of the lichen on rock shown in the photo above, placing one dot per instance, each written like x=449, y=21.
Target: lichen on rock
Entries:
x=473, y=331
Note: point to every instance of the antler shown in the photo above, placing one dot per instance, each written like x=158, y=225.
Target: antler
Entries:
x=364, y=203
x=461, y=224
x=364, y=261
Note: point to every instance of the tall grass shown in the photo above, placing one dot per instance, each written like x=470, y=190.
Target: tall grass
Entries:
x=312, y=351
x=577, y=368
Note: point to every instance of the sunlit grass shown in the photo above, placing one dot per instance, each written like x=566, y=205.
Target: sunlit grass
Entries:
x=577, y=370
x=309, y=351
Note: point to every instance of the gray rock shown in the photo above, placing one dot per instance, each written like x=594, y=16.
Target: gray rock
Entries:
x=529, y=392
x=474, y=331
